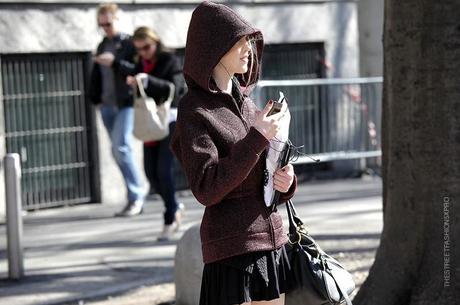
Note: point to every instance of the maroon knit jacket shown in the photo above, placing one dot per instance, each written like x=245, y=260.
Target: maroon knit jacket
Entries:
x=223, y=159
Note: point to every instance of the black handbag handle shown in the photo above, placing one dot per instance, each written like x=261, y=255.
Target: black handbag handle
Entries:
x=297, y=228
x=295, y=223
x=292, y=223
x=294, y=219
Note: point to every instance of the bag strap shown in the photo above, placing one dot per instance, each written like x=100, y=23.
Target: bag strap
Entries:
x=296, y=221
x=140, y=86
x=172, y=91
x=292, y=224
x=343, y=292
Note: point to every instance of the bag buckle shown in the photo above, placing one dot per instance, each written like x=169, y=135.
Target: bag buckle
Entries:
x=296, y=242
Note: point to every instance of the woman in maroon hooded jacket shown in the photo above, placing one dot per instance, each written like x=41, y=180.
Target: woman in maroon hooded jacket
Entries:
x=221, y=140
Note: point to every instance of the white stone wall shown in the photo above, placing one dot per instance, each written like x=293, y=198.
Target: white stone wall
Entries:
x=49, y=28
x=73, y=27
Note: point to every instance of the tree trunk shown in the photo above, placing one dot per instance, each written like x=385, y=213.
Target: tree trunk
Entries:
x=418, y=258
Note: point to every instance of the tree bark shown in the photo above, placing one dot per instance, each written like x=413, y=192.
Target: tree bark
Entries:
x=417, y=262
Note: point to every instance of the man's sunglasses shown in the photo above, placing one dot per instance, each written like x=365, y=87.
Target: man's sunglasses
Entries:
x=105, y=25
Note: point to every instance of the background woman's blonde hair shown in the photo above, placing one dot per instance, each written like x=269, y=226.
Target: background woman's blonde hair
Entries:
x=107, y=8
x=144, y=33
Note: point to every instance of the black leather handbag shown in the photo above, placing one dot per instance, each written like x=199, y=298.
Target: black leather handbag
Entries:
x=316, y=278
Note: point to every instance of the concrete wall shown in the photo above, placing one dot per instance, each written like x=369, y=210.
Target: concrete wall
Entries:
x=52, y=27
x=370, y=20
x=72, y=27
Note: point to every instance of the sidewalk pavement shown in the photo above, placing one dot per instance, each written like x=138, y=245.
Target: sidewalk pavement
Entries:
x=82, y=254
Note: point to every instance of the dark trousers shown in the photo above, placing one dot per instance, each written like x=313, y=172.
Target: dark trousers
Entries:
x=158, y=166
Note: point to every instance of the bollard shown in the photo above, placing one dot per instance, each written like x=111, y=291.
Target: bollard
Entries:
x=14, y=216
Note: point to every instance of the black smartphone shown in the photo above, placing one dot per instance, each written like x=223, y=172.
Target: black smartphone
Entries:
x=277, y=105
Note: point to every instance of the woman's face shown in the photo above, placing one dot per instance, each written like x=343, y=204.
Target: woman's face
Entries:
x=146, y=48
x=237, y=58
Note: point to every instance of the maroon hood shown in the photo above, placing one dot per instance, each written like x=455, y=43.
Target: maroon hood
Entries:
x=213, y=30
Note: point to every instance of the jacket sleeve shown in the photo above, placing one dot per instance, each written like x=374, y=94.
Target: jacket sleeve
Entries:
x=125, y=65
x=209, y=175
x=159, y=87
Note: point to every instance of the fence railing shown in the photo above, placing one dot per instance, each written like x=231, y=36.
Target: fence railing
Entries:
x=334, y=119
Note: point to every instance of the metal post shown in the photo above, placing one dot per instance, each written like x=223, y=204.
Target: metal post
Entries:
x=14, y=216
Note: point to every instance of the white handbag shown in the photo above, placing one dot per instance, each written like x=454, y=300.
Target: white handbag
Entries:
x=151, y=121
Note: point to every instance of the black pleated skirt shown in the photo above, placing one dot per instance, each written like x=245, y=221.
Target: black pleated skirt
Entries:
x=256, y=276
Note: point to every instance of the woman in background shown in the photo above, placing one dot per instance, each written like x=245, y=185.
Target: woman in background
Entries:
x=160, y=68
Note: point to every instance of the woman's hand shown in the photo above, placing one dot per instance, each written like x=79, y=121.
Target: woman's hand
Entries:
x=283, y=178
x=269, y=125
x=131, y=81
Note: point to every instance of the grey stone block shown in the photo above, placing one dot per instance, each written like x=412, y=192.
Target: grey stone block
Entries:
x=188, y=267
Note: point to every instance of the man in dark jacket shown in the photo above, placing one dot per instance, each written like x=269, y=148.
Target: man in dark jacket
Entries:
x=108, y=89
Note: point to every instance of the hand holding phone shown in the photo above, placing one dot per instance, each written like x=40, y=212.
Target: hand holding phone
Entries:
x=268, y=120
x=277, y=105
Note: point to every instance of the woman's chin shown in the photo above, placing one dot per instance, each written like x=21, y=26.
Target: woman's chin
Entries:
x=242, y=69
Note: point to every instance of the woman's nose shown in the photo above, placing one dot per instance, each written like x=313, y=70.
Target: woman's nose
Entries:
x=247, y=46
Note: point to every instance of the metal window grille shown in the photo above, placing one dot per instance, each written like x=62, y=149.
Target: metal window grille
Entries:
x=293, y=61
x=288, y=61
x=50, y=124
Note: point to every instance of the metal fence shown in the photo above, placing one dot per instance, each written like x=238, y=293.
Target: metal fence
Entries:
x=334, y=119
x=49, y=123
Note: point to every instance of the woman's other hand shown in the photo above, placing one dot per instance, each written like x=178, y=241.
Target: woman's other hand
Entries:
x=283, y=178
x=268, y=126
